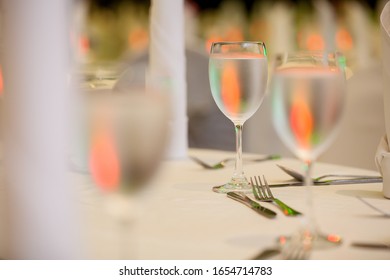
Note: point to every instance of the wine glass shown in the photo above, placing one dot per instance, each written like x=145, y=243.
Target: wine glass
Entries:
x=308, y=95
x=238, y=74
x=126, y=141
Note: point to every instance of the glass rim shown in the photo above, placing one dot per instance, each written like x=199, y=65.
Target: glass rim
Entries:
x=237, y=42
x=305, y=52
x=336, y=57
x=231, y=43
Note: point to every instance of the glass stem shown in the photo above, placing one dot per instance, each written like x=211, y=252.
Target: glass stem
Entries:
x=310, y=221
x=238, y=170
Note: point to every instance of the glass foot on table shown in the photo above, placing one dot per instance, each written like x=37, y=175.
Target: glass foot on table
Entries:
x=318, y=241
x=235, y=184
x=299, y=246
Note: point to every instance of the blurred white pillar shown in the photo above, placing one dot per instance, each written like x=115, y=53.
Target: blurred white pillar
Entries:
x=328, y=21
x=167, y=60
x=281, y=23
x=36, y=68
x=360, y=23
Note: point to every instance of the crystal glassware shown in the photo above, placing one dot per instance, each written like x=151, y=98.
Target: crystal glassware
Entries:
x=308, y=97
x=126, y=139
x=238, y=74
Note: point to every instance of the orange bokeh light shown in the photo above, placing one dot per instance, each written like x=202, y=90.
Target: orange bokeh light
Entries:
x=234, y=34
x=104, y=161
x=344, y=40
x=211, y=39
x=315, y=42
x=138, y=39
x=84, y=45
x=333, y=238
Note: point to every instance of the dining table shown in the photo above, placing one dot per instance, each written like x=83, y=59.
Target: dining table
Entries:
x=178, y=216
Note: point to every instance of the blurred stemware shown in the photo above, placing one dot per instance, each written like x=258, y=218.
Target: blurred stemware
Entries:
x=238, y=76
x=308, y=95
x=126, y=141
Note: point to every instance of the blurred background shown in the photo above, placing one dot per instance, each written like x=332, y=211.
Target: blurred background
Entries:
x=116, y=35
x=117, y=28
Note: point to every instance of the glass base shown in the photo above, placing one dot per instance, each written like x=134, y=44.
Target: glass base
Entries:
x=315, y=240
x=299, y=246
x=236, y=184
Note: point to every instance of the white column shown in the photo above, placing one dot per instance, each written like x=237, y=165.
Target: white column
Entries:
x=328, y=23
x=42, y=223
x=167, y=60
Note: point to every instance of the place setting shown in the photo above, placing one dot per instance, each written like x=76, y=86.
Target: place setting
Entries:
x=126, y=152
x=308, y=93
x=300, y=83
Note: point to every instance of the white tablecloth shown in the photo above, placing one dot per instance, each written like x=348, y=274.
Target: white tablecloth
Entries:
x=179, y=217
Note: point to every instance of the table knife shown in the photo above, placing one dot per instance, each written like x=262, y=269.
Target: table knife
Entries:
x=331, y=182
x=240, y=197
x=370, y=245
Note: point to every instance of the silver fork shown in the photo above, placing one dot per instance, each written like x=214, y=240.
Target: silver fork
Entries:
x=262, y=192
x=296, y=252
x=298, y=247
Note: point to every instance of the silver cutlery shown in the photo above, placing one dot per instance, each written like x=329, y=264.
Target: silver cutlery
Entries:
x=296, y=251
x=267, y=253
x=371, y=245
x=241, y=197
x=222, y=163
x=301, y=177
x=330, y=182
x=262, y=192
x=386, y=214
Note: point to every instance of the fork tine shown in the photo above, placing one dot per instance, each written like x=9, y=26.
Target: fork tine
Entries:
x=267, y=188
x=259, y=187
x=299, y=253
x=295, y=250
x=294, y=254
x=256, y=183
x=254, y=188
x=262, y=188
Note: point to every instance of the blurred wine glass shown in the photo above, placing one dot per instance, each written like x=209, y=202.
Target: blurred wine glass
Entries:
x=238, y=77
x=126, y=141
x=308, y=96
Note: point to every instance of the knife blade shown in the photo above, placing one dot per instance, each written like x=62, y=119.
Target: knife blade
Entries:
x=267, y=253
x=240, y=197
x=370, y=245
x=330, y=182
